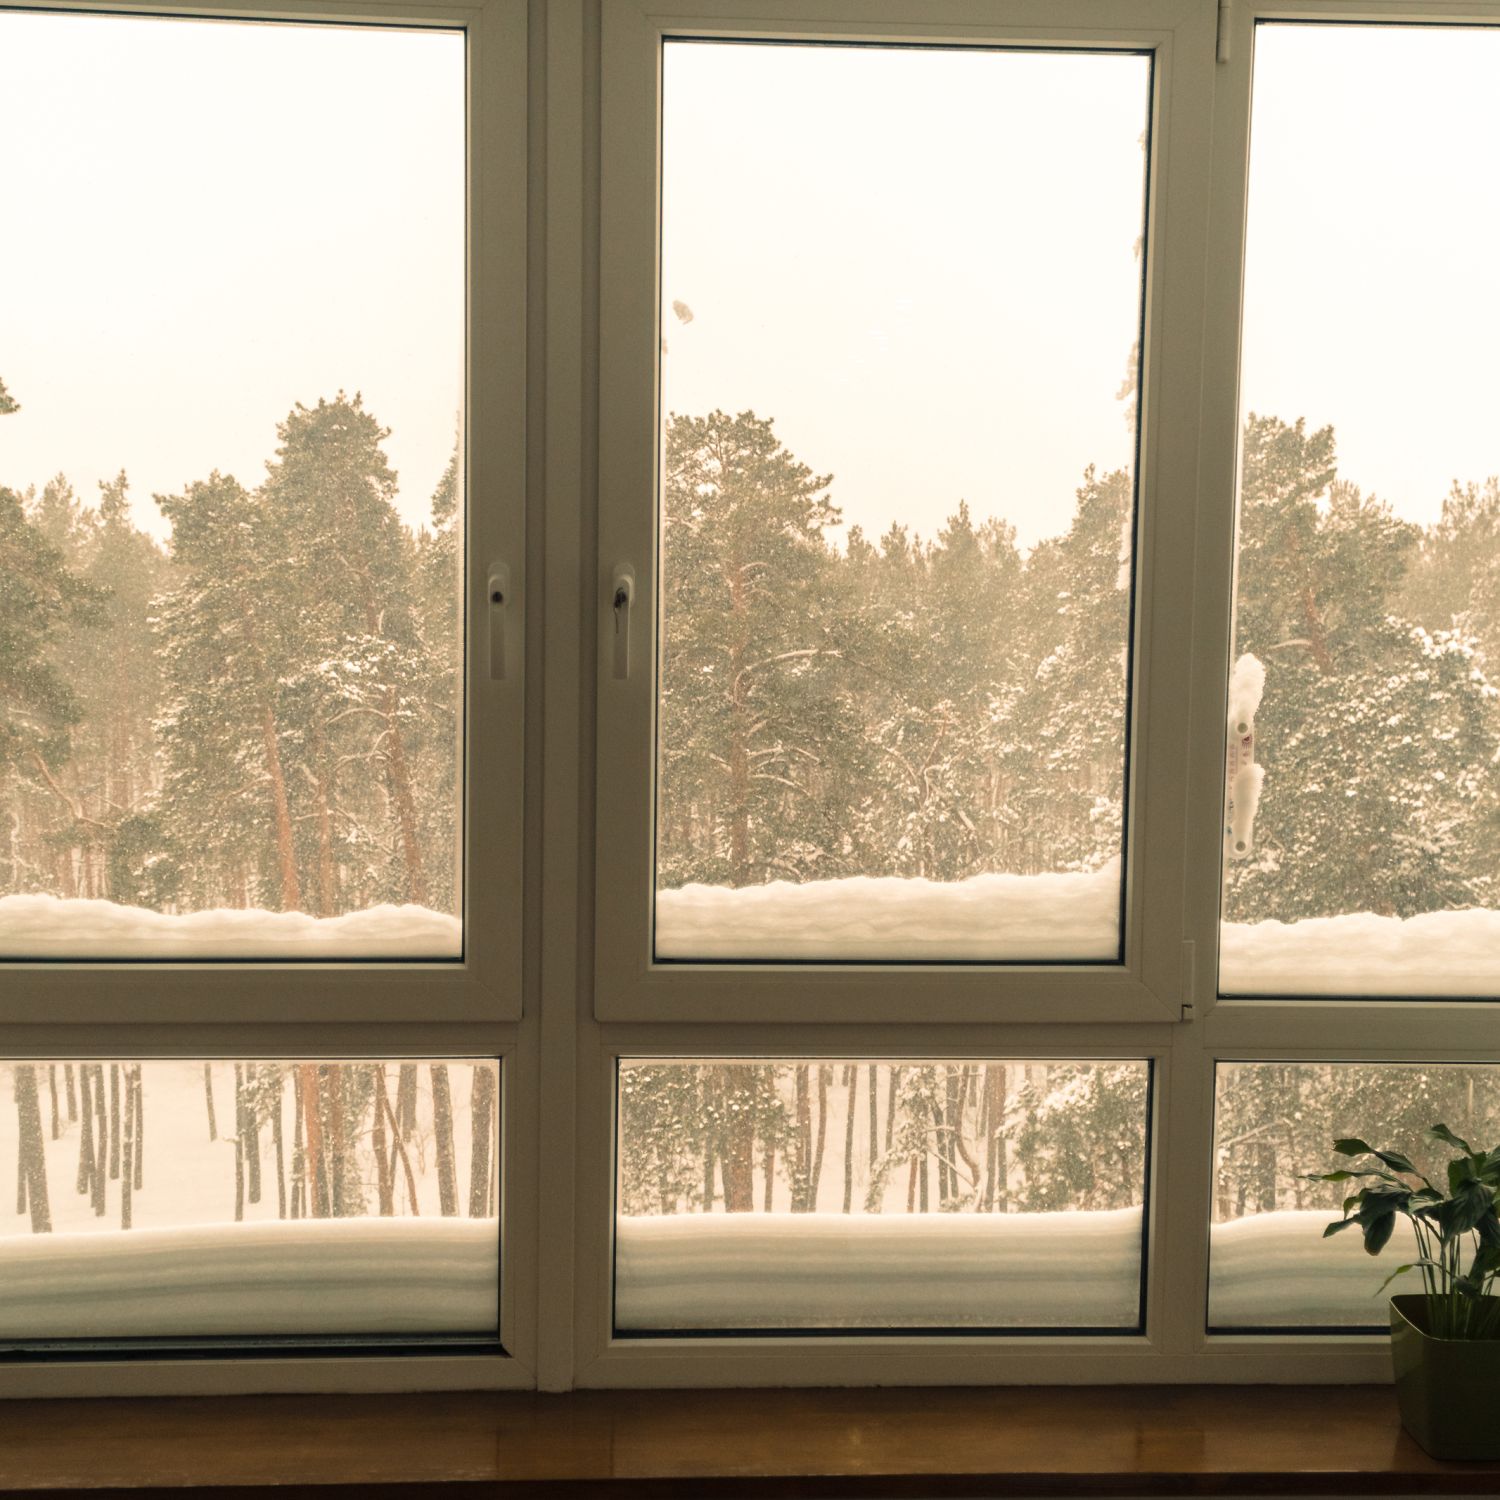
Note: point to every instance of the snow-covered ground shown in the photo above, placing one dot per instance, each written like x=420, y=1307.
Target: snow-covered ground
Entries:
x=308, y=1276
x=827, y=1270
x=1276, y=1271
x=48, y=927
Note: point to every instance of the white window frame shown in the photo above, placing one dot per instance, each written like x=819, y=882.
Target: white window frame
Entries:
x=1147, y=985
x=577, y=394
x=469, y=1008
x=1163, y=1004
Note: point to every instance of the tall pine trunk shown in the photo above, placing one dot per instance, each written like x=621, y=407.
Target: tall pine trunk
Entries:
x=32, y=1165
x=442, y=1124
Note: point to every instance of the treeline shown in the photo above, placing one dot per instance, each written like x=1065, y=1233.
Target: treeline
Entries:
x=262, y=713
x=354, y=1142
x=990, y=1137
x=946, y=707
x=1007, y=1137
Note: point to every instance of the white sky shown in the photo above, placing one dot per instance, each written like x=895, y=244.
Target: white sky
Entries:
x=1372, y=296
x=207, y=222
x=920, y=263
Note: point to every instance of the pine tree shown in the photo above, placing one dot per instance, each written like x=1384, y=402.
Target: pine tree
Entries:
x=752, y=701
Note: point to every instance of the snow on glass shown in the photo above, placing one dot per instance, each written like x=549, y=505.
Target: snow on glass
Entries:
x=898, y=497
x=1269, y=1266
x=231, y=678
x=176, y=1198
x=1362, y=834
x=845, y=1194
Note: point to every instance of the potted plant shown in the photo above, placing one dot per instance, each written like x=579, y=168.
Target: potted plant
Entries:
x=1445, y=1342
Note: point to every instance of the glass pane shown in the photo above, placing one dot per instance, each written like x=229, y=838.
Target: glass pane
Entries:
x=899, y=375
x=854, y=1195
x=183, y=1199
x=1363, y=831
x=231, y=500
x=1269, y=1266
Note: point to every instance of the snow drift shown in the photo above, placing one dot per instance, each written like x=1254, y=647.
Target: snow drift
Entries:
x=305, y=1276
x=784, y=1270
x=986, y=917
x=1437, y=953
x=49, y=927
x=1276, y=1271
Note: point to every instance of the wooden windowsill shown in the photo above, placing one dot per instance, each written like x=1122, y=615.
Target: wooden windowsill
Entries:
x=997, y=1441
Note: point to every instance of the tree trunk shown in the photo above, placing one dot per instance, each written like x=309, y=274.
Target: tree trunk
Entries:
x=72, y=1091
x=315, y=1174
x=481, y=1115
x=52, y=1097
x=31, y=1174
x=383, y=1162
x=406, y=1100
x=114, y=1122
x=250, y=1132
x=824, y=1075
x=208, y=1095
x=101, y=1142
x=737, y=1165
x=85, y=1131
x=127, y=1169
x=851, y=1076
x=327, y=900
x=286, y=854
x=442, y=1122
x=802, y=1141
x=138, y=1176
x=279, y=1145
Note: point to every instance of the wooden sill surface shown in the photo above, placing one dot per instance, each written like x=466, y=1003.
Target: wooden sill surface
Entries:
x=1028, y=1441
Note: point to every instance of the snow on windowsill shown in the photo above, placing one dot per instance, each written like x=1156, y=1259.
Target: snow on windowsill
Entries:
x=302, y=1276
x=46, y=927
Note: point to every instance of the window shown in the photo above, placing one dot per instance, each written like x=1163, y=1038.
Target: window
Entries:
x=259, y=645
x=706, y=696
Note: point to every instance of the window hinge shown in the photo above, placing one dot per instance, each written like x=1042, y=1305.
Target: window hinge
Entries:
x=1224, y=20
x=1189, y=977
x=1187, y=1012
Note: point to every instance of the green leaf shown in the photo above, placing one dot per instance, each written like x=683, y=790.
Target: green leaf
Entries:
x=1337, y=1225
x=1378, y=1233
x=1446, y=1137
x=1399, y=1162
x=1351, y=1145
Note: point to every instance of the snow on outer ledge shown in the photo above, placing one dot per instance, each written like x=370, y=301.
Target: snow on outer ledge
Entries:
x=1276, y=1271
x=986, y=917
x=48, y=927
x=313, y=1276
x=1437, y=953
x=825, y=1270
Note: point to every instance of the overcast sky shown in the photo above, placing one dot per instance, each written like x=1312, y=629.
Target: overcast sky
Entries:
x=205, y=222
x=922, y=264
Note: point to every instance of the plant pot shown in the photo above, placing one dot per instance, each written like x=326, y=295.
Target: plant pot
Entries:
x=1448, y=1389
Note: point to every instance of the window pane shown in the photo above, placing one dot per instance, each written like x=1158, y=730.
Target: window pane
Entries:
x=856, y=1195
x=1270, y=1266
x=231, y=499
x=1363, y=833
x=177, y=1199
x=899, y=376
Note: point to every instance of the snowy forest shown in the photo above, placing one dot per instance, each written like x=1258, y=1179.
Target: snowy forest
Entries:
x=260, y=713
x=125, y=1145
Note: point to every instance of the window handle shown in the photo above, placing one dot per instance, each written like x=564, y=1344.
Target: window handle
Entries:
x=499, y=605
x=622, y=596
